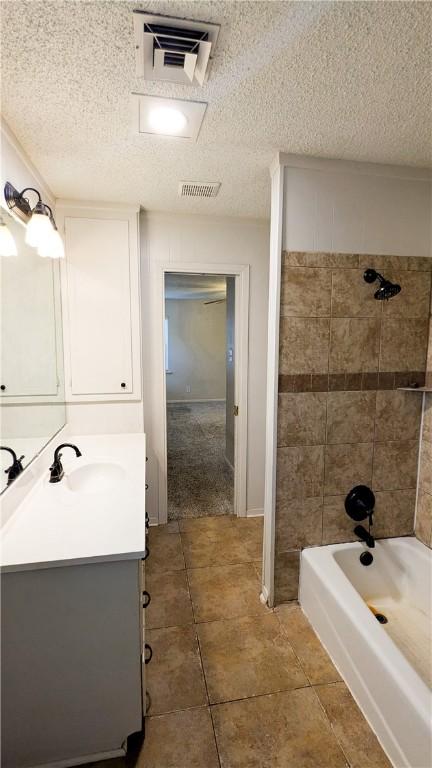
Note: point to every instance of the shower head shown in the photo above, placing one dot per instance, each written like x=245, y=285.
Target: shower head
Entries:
x=386, y=289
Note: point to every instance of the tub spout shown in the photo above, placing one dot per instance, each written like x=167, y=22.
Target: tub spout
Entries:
x=365, y=536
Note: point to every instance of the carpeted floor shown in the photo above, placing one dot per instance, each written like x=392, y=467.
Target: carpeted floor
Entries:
x=200, y=482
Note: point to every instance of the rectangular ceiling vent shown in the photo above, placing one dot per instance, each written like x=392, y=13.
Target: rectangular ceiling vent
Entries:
x=174, y=50
x=199, y=188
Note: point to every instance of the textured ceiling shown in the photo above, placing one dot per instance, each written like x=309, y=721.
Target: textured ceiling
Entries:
x=345, y=79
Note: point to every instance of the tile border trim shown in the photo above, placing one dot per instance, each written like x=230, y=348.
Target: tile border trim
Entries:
x=350, y=382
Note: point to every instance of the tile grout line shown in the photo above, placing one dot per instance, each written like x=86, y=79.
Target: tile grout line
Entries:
x=347, y=760
x=195, y=624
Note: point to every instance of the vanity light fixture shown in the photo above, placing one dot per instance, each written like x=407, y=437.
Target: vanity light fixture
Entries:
x=7, y=242
x=39, y=226
x=42, y=232
x=52, y=245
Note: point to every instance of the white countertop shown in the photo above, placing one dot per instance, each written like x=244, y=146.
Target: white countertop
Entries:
x=56, y=526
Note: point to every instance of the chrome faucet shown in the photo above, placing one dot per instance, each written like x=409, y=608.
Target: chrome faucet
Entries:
x=56, y=469
x=16, y=467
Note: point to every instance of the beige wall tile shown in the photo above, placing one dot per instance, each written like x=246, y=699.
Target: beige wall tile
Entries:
x=350, y=417
x=352, y=296
x=302, y=418
x=299, y=472
x=356, y=738
x=429, y=354
x=320, y=259
x=394, y=516
x=398, y=415
x=347, y=466
x=395, y=465
x=304, y=345
x=414, y=298
x=386, y=263
x=426, y=467
x=427, y=418
x=337, y=526
x=305, y=292
x=286, y=576
x=403, y=344
x=394, y=513
x=298, y=523
x=423, y=523
x=354, y=344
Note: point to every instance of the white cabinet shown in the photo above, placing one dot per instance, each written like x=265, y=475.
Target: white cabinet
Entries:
x=101, y=298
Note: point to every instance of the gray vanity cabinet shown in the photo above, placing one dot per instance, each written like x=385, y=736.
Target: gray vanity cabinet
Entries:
x=72, y=662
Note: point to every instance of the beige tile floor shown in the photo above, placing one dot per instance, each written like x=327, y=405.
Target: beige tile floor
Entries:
x=233, y=684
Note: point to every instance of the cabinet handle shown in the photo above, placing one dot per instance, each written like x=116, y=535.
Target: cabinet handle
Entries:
x=147, y=599
x=3, y=387
x=148, y=649
x=146, y=486
x=123, y=385
x=146, y=554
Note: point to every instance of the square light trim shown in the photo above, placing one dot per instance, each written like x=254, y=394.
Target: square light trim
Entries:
x=145, y=108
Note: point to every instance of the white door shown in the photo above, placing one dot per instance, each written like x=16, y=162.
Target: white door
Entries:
x=99, y=302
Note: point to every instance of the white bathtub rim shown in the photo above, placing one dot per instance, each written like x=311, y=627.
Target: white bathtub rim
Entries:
x=388, y=742
x=346, y=595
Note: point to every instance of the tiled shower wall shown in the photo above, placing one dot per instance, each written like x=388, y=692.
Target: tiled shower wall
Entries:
x=423, y=526
x=342, y=420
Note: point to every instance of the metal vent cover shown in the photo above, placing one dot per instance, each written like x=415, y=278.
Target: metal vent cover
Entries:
x=199, y=188
x=174, y=50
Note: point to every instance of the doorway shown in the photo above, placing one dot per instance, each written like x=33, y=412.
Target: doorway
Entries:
x=200, y=430
x=205, y=343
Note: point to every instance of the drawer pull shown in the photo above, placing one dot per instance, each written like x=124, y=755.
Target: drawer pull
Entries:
x=146, y=554
x=148, y=650
x=146, y=486
x=147, y=599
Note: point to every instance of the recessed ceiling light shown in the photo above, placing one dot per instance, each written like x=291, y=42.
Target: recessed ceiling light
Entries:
x=159, y=116
x=167, y=120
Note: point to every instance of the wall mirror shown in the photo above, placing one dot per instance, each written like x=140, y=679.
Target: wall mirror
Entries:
x=32, y=407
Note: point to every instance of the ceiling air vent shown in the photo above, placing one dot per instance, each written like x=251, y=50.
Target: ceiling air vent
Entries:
x=175, y=50
x=199, y=188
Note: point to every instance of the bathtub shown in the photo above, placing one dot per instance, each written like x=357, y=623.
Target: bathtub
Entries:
x=387, y=667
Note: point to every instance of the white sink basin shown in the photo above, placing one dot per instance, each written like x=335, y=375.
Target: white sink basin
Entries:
x=94, y=478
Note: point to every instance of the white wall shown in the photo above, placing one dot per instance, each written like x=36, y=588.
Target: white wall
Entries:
x=196, y=344
x=358, y=208
x=171, y=239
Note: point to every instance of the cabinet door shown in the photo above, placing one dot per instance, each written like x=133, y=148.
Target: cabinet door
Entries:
x=99, y=304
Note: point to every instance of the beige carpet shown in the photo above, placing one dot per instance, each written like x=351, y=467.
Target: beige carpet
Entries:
x=200, y=482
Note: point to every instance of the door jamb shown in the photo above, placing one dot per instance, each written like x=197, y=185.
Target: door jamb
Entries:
x=241, y=273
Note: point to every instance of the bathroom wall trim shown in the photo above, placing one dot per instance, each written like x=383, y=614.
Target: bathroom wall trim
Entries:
x=276, y=233
x=283, y=160
x=14, y=156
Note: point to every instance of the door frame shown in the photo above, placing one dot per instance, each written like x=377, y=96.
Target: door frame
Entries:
x=241, y=334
